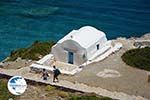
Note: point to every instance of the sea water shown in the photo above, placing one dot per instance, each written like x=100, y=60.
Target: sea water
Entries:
x=24, y=21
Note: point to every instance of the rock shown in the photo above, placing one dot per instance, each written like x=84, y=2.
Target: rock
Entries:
x=18, y=59
x=1, y=64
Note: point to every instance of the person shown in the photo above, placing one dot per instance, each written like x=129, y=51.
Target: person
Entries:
x=45, y=74
x=56, y=73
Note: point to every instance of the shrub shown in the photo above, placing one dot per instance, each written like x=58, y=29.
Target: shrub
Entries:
x=63, y=94
x=49, y=88
x=139, y=58
x=33, y=52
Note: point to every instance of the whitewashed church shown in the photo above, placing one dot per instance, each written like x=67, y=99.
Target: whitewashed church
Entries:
x=81, y=45
x=78, y=48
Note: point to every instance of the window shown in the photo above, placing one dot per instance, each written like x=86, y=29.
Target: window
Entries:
x=97, y=46
x=84, y=57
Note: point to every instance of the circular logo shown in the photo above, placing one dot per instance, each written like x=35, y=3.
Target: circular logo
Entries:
x=17, y=85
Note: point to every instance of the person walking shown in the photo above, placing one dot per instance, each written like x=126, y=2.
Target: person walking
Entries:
x=56, y=73
x=45, y=74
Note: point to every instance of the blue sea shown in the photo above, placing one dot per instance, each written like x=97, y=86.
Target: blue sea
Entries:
x=24, y=21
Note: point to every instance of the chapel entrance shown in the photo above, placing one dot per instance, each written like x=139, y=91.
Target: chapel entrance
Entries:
x=70, y=57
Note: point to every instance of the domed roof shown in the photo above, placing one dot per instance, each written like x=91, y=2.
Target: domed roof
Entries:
x=90, y=29
x=85, y=36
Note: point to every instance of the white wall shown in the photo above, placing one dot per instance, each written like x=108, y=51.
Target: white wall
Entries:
x=60, y=52
x=93, y=48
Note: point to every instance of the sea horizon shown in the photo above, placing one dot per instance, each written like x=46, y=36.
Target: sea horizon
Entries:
x=25, y=21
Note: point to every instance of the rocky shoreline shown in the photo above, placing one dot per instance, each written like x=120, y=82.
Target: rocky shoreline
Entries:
x=24, y=62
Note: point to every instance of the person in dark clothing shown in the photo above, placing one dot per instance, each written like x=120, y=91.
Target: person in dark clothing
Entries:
x=45, y=74
x=56, y=73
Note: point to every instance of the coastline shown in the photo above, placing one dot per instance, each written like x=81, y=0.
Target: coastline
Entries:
x=20, y=26
x=26, y=62
x=145, y=36
x=127, y=73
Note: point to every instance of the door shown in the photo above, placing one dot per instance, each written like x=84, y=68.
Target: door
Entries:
x=70, y=57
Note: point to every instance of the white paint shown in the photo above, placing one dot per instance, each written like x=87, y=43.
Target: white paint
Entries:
x=85, y=36
x=83, y=44
x=109, y=73
x=38, y=67
x=45, y=60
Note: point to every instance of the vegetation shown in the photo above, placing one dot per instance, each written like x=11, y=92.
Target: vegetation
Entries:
x=139, y=58
x=49, y=88
x=88, y=98
x=34, y=52
x=38, y=91
x=4, y=93
x=52, y=91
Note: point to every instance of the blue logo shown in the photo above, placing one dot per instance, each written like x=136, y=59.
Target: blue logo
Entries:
x=17, y=85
